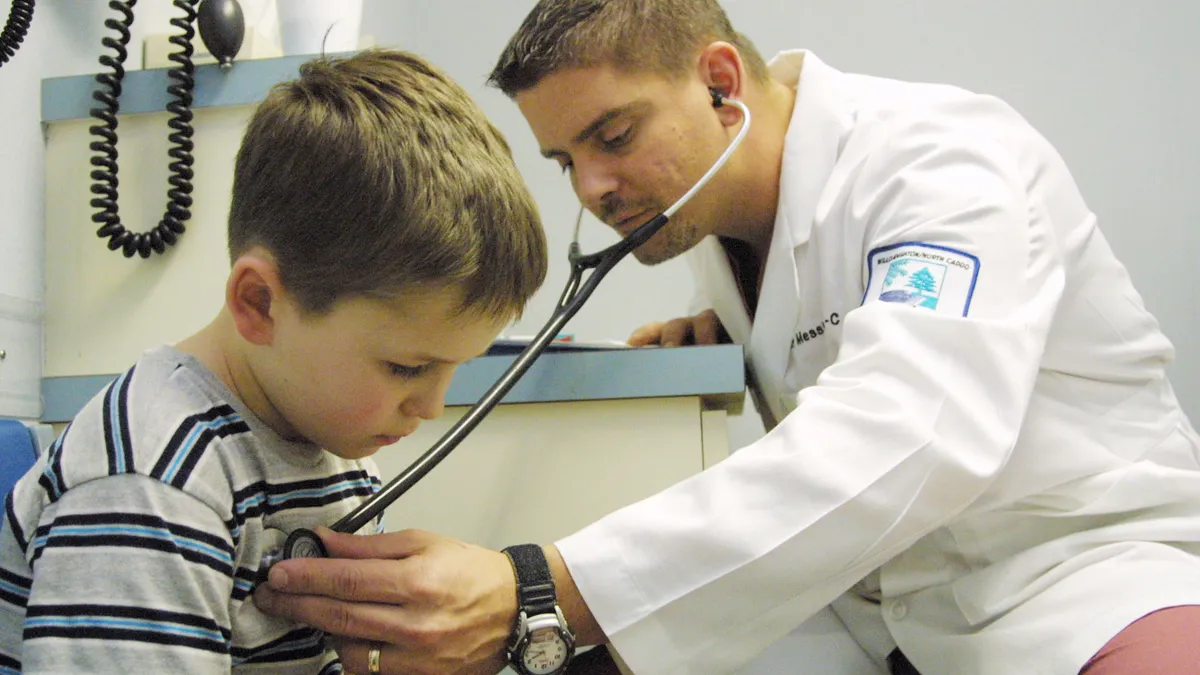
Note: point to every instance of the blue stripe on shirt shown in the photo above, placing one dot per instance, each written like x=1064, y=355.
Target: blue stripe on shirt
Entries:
x=14, y=588
x=10, y=520
x=115, y=416
x=243, y=583
x=302, y=643
x=263, y=499
x=133, y=530
x=52, y=480
x=191, y=438
x=186, y=446
x=332, y=668
x=341, y=489
x=116, y=622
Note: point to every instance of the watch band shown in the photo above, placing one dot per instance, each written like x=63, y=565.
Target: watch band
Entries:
x=535, y=584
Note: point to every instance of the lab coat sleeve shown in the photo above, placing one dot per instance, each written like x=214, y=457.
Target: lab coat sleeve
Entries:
x=904, y=431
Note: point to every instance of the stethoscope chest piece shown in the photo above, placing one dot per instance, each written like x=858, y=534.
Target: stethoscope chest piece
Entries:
x=304, y=544
x=300, y=543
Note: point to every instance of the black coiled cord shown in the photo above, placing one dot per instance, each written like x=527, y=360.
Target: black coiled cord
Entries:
x=105, y=175
x=19, y=18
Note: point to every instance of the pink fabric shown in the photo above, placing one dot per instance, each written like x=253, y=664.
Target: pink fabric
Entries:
x=1166, y=642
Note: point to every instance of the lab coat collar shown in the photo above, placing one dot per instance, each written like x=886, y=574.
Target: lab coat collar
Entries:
x=821, y=120
x=814, y=138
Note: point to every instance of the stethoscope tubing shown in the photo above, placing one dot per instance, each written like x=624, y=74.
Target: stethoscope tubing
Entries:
x=576, y=292
x=304, y=543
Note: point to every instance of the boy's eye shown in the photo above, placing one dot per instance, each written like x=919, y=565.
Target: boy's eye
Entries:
x=565, y=165
x=408, y=371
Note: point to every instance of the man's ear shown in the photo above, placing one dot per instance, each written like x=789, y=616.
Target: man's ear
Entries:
x=253, y=294
x=721, y=69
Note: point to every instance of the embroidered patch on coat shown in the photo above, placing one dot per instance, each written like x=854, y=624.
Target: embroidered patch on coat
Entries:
x=922, y=275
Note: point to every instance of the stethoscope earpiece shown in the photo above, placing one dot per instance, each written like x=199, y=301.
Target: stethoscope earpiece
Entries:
x=717, y=97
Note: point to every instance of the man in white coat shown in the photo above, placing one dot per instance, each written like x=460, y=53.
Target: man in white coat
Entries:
x=976, y=456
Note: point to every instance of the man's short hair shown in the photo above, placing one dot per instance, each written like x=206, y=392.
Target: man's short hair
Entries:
x=659, y=36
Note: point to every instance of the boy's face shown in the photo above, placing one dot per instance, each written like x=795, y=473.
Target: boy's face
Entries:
x=632, y=143
x=365, y=375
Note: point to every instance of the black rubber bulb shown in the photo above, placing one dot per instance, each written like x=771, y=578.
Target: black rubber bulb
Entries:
x=222, y=27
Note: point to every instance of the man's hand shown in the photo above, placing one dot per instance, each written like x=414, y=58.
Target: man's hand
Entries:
x=702, y=329
x=437, y=605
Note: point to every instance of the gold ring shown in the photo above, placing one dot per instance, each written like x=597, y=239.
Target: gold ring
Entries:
x=373, y=660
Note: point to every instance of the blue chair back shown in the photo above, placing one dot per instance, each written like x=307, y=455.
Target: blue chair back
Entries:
x=18, y=452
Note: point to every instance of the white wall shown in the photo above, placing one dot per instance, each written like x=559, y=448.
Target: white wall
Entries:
x=64, y=39
x=1113, y=84
x=21, y=226
x=20, y=231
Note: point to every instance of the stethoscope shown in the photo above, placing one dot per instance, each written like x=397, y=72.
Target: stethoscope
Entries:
x=304, y=543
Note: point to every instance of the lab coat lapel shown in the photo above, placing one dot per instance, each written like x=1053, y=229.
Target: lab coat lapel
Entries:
x=711, y=266
x=809, y=155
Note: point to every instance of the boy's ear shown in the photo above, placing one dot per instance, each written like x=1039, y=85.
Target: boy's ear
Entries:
x=252, y=295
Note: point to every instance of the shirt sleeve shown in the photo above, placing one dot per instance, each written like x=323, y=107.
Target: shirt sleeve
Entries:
x=129, y=576
x=903, y=432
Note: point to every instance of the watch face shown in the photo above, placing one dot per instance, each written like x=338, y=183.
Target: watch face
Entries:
x=546, y=653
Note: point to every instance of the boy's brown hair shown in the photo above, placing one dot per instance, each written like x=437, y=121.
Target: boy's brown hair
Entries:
x=658, y=36
x=376, y=173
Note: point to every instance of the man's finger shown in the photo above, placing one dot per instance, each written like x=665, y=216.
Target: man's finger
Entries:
x=704, y=328
x=355, y=655
x=677, y=332
x=646, y=335
x=388, y=546
x=411, y=660
x=353, y=580
x=363, y=621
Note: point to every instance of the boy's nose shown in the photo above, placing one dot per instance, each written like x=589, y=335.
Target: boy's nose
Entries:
x=428, y=402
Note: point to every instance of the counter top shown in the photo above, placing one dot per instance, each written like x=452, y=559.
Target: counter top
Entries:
x=715, y=373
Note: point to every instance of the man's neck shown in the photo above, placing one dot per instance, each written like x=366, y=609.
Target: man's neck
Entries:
x=752, y=210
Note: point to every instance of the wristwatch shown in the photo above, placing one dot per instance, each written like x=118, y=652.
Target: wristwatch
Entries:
x=542, y=643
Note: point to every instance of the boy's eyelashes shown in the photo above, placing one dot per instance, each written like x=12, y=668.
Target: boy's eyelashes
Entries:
x=400, y=370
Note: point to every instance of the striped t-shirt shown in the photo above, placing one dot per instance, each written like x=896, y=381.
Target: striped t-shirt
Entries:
x=134, y=544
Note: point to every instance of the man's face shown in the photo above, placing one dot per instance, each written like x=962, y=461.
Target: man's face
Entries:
x=632, y=143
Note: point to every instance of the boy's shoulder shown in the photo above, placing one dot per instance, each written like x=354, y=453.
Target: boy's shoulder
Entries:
x=165, y=418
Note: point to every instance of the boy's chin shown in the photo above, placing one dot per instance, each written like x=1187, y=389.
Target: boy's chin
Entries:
x=361, y=452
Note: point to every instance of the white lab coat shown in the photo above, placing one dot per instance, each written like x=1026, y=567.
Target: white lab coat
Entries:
x=1015, y=485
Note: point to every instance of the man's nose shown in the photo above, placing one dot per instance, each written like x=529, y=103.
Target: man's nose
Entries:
x=594, y=183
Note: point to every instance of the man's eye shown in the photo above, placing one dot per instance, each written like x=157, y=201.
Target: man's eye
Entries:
x=408, y=371
x=618, y=140
x=565, y=165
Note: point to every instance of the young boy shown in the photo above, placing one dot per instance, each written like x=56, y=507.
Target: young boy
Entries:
x=380, y=235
